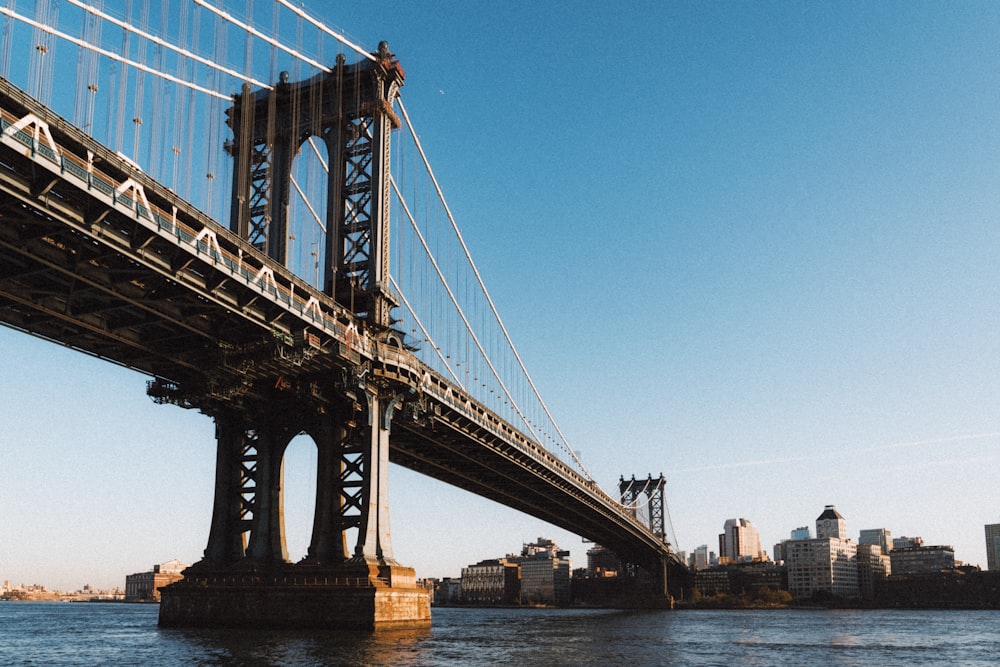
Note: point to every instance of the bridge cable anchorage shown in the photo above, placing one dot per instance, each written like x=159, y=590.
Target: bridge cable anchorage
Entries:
x=124, y=25
x=110, y=54
x=493, y=308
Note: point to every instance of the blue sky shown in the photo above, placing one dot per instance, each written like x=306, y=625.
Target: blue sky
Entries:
x=751, y=246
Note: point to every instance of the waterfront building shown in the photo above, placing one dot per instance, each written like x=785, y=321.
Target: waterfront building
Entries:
x=447, y=591
x=712, y=581
x=739, y=541
x=880, y=536
x=145, y=586
x=827, y=563
x=602, y=562
x=489, y=582
x=993, y=547
x=748, y=578
x=874, y=567
x=545, y=578
x=922, y=560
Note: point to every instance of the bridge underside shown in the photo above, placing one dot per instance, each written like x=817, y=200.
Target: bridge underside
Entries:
x=79, y=269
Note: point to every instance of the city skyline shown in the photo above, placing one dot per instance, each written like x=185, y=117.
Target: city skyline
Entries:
x=752, y=247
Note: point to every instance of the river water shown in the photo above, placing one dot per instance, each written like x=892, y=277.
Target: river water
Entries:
x=44, y=634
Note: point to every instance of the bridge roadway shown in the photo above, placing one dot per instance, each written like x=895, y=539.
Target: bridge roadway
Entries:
x=96, y=255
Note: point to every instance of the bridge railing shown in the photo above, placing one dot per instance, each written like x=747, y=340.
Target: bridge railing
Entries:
x=206, y=238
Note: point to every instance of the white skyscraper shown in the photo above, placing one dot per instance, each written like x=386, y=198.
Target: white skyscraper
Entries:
x=739, y=541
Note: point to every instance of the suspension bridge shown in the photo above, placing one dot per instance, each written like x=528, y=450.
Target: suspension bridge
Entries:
x=340, y=299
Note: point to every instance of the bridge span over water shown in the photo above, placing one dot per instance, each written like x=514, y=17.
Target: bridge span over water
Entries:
x=97, y=255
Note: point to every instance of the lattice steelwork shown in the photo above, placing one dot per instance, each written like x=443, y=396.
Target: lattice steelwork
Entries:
x=633, y=492
x=350, y=111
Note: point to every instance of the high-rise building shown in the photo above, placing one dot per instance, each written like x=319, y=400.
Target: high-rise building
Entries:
x=801, y=533
x=545, y=578
x=874, y=567
x=880, y=536
x=739, y=541
x=827, y=563
x=831, y=524
x=993, y=547
x=545, y=573
x=702, y=558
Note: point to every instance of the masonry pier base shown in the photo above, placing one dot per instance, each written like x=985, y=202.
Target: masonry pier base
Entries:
x=295, y=597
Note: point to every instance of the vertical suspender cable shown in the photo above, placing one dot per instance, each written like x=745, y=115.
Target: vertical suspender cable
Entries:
x=140, y=88
x=8, y=41
x=472, y=265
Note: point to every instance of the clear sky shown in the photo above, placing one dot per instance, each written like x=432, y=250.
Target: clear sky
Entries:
x=752, y=246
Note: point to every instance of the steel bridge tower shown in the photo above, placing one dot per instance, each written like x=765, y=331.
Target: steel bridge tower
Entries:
x=632, y=492
x=650, y=492
x=245, y=577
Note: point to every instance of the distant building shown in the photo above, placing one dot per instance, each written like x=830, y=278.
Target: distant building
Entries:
x=447, y=591
x=702, y=558
x=993, y=547
x=801, y=533
x=602, y=562
x=145, y=586
x=825, y=564
x=545, y=573
x=907, y=542
x=874, y=567
x=880, y=536
x=489, y=582
x=712, y=581
x=830, y=524
x=739, y=541
x=740, y=579
x=922, y=560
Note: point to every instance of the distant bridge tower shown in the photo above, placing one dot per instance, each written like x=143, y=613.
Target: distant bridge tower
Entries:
x=636, y=493
x=632, y=492
x=347, y=413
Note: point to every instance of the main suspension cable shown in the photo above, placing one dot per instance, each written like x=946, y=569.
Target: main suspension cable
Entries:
x=167, y=45
x=496, y=315
x=110, y=54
